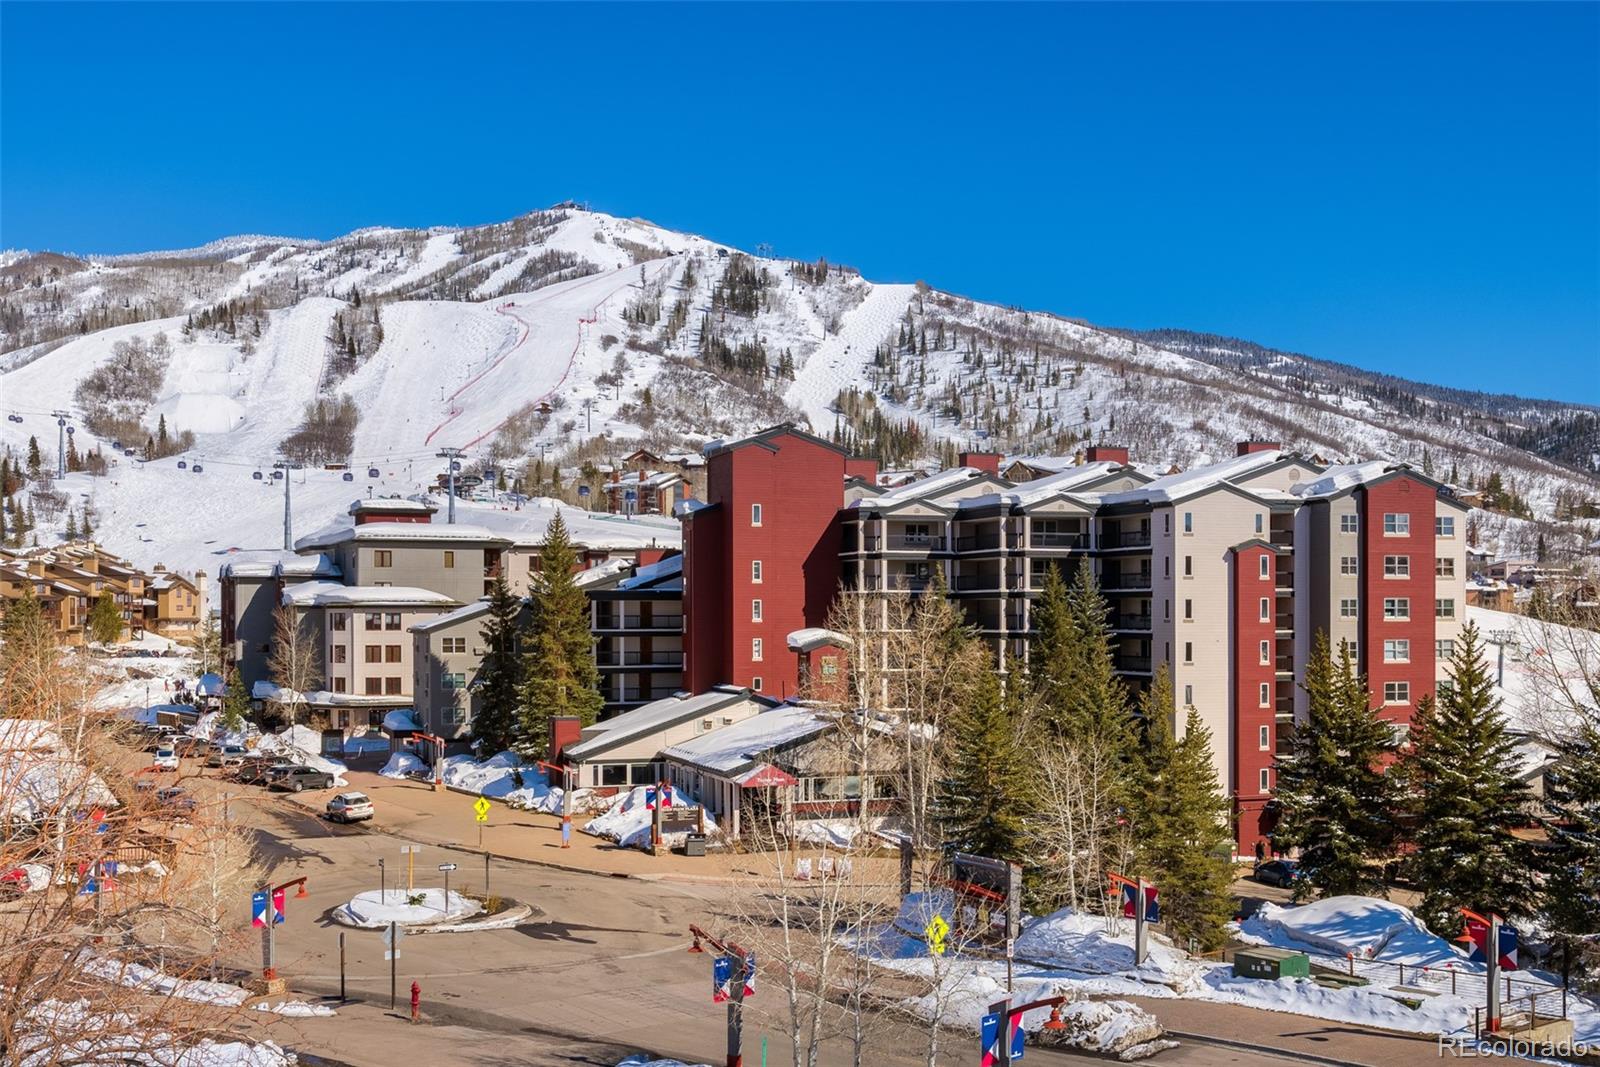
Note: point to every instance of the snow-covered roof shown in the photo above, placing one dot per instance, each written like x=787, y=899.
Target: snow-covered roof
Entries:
x=811, y=638
x=392, y=505
x=401, y=720
x=528, y=525
x=656, y=715
x=653, y=573
x=1173, y=487
x=1043, y=488
x=922, y=487
x=339, y=532
x=685, y=509
x=28, y=735
x=210, y=684
x=332, y=594
x=600, y=572
x=1342, y=476
x=733, y=749
x=270, y=563
x=450, y=618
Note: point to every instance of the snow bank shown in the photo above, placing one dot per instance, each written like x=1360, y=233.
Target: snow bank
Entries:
x=394, y=906
x=627, y=820
x=645, y=1061
x=1089, y=944
x=298, y=1009
x=150, y=980
x=301, y=745
x=60, y=1031
x=1105, y=1026
x=497, y=778
x=1366, y=927
x=403, y=765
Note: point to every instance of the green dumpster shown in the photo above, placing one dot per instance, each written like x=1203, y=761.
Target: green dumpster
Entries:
x=1270, y=964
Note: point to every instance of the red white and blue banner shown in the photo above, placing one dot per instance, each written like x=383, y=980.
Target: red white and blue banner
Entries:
x=1477, y=933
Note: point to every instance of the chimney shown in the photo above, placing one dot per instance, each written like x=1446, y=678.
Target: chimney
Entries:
x=1106, y=454
x=862, y=467
x=1249, y=447
x=983, y=461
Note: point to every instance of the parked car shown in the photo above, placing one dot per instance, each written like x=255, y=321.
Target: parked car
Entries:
x=226, y=756
x=167, y=757
x=162, y=738
x=295, y=779
x=350, y=807
x=175, y=798
x=253, y=770
x=1282, y=873
x=14, y=882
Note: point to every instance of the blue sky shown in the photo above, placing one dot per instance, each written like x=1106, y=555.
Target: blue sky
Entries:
x=1410, y=188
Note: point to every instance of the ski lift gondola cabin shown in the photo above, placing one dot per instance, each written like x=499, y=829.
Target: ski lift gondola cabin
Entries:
x=198, y=468
x=348, y=476
x=372, y=472
x=255, y=475
x=183, y=464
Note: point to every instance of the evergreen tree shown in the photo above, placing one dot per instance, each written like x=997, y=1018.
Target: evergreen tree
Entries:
x=35, y=460
x=163, y=442
x=985, y=797
x=105, y=620
x=235, y=702
x=1466, y=799
x=559, y=674
x=27, y=647
x=1076, y=681
x=1336, y=803
x=1056, y=655
x=72, y=525
x=1570, y=903
x=1183, y=824
x=499, y=680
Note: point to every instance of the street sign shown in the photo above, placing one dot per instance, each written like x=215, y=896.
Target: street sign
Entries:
x=937, y=930
x=391, y=954
x=408, y=849
x=480, y=809
x=392, y=935
x=447, y=866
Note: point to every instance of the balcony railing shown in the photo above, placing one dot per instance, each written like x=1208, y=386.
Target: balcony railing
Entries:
x=1131, y=622
x=912, y=582
x=1123, y=580
x=664, y=658
x=639, y=622
x=1134, y=664
x=966, y=582
x=975, y=542
x=1125, y=539
x=907, y=543
x=637, y=695
x=1284, y=538
x=1059, y=540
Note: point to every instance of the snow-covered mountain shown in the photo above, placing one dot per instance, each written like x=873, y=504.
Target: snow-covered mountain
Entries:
x=570, y=336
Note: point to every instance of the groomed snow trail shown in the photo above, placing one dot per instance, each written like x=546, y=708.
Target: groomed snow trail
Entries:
x=837, y=362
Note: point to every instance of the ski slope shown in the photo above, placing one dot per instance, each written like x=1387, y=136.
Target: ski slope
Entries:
x=838, y=362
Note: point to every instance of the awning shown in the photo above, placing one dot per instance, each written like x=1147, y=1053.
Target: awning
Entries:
x=765, y=776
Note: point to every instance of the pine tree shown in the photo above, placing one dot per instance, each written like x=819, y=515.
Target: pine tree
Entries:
x=35, y=460
x=1465, y=798
x=105, y=620
x=985, y=797
x=560, y=678
x=1093, y=701
x=1183, y=824
x=163, y=442
x=72, y=525
x=1337, y=804
x=1570, y=903
x=499, y=680
x=1056, y=656
x=235, y=702
x=27, y=646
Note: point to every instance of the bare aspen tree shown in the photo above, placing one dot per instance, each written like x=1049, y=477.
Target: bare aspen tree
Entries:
x=294, y=663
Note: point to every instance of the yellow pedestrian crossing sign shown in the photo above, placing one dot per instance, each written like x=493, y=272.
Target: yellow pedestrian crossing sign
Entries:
x=480, y=808
x=937, y=930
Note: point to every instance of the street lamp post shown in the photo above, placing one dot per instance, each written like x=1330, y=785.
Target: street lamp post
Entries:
x=383, y=884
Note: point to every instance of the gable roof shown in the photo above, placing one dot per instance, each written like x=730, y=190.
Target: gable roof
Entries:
x=735, y=749
x=765, y=438
x=656, y=715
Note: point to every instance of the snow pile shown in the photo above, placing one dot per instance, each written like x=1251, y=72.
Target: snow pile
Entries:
x=645, y=1061
x=37, y=875
x=403, y=765
x=1365, y=927
x=1093, y=945
x=1364, y=1005
x=627, y=821
x=395, y=906
x=297, y=1009
x=840, y=833
x=361, y=744
x=149, y=980
x=497, y=778
x=60, y=1031
x=1107, y=1026
x=301, y=745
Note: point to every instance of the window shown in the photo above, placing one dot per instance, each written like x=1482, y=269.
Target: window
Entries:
x=454, y=679
x=455, y=714
x=1166, y=522
x=1266, y=609
x=1446, y=686
x=830, y=666
x=1444, y=567
x=1259, y=518
x=1166, y=566
x=1266, y=567
x=755, y=649
x=374, y=620
x=1396, y=524
x=391, y=620
x=373, y=654
x=1266, y=653
x=1444, y=609
x=1166, y=610
x=1348, y=565
x=1188, y=522
x=336, y=653
x=1265, y=698
x=1188, y=610
x=1355, y=651
x=1347, y=607
x=338, y=685
x=454, y=644
x=337, y=620
x=1348, y=524
x=755, y=611
x=1397, y=692
x=755, y=683
x=1444, y=649
x=391, y=653
x=1188, y=566
x=1397, y=566
x=374, y=687
x=391, y=686
x=755, y=571
x=449, y=558
x=755, y=514
x=1188, y=652
x=382, y=557
x=1264, y=738
x=1444, y=526
x=1266, y=780
x=1396, y=650
x=1188, y=696
x=1397, y=607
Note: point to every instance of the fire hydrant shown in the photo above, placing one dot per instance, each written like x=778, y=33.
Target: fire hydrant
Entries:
x=416, y=1001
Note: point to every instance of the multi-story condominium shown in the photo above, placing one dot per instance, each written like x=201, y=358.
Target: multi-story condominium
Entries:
x=69, y=578
x=636, y=616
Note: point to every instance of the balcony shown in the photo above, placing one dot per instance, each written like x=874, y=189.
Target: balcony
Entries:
x=628, y=695
x=978, y=541
x=1281, y=538
x=997, y=623
x=1113, y=580
x=1125, y=539
x=967, y=583
x=914, y=583
x=607, y=621
x=1133, y=664
x=1283, y=623
x=666, y=659
x=1131, y=622
x=1060, y=540
x=905, y=543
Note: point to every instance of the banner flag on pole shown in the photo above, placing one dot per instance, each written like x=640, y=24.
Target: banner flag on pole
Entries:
x=649, y=798
x=1477, y=932
x=258, y=909
x=1130, y=895
x=750, y=976
x=277, y=906
x=721, y=979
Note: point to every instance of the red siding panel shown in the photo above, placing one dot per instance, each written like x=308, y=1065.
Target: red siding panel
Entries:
x=1401, y=495
x=1249, y=674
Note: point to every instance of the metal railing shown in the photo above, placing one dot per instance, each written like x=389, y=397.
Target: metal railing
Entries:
x=1131, y=622
x=1116, y=580
x=967, y=582
x=972, y=542
x=664, y=658
x=912, y=582
x=638, y=622
x=1125, y=539
x=1137, y=664
x=1059, y=540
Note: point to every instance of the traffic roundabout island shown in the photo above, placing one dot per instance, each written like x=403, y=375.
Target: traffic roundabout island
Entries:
x=425, y=910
